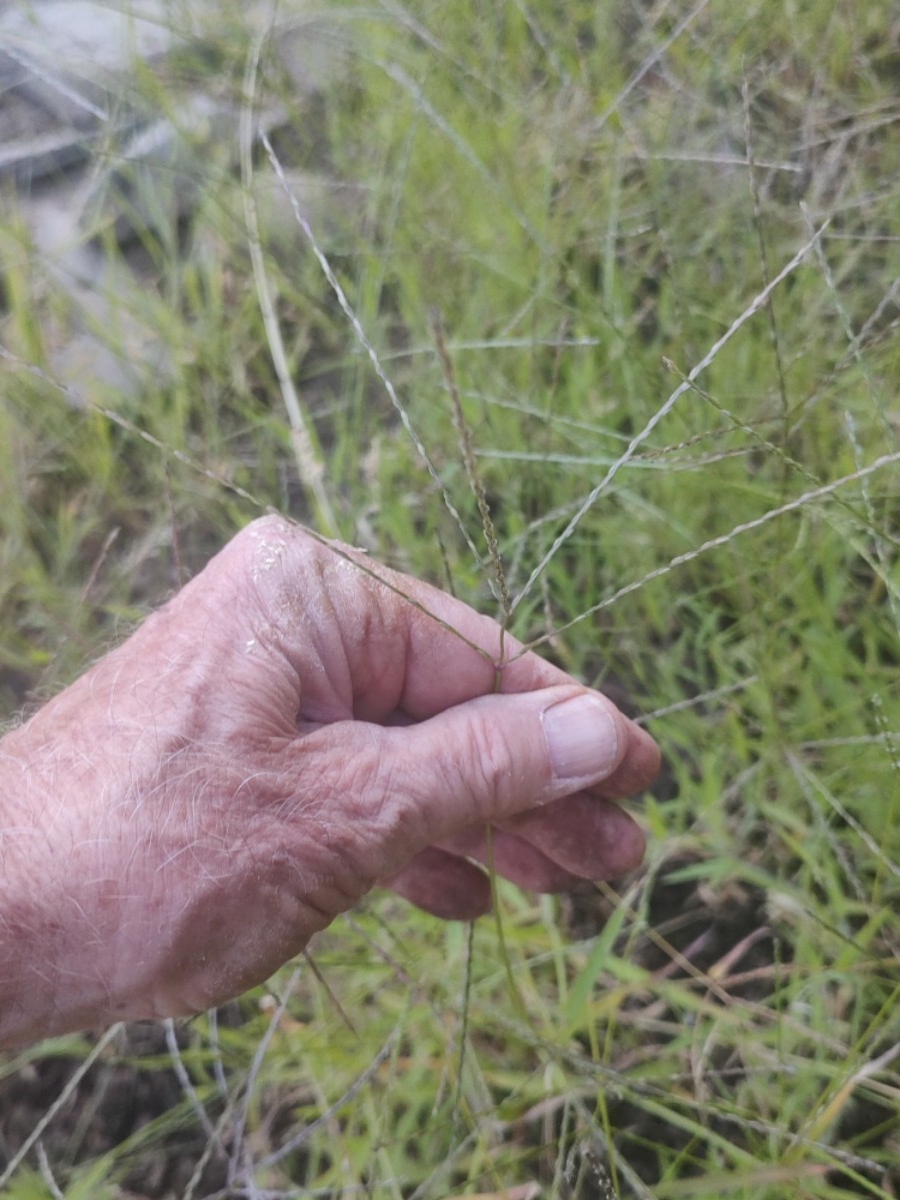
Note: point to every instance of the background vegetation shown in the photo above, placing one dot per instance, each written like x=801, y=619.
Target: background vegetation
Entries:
x=595, y=199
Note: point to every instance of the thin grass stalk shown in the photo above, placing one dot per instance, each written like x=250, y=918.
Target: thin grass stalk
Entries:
x=310, y=465
x=467, y=452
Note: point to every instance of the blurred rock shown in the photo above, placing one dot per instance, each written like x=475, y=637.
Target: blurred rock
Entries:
x=107, y=139
x=62, y=65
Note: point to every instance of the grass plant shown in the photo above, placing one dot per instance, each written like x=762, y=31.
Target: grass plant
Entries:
x=663, y=242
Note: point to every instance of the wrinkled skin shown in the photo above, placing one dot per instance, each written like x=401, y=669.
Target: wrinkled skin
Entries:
x=285, y=733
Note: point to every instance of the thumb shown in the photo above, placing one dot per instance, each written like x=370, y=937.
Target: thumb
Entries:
x=493, y=757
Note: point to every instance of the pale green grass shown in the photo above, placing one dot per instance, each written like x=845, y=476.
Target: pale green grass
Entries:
x=568, y=186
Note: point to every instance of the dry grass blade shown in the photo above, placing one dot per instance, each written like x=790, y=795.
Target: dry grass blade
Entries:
x=240, y=1162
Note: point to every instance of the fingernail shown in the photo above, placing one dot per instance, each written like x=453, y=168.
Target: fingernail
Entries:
x=582, y=737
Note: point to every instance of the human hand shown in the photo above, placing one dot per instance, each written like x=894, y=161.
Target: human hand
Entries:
x=297, y=725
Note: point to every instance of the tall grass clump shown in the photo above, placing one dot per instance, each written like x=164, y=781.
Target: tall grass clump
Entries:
x=655, y=432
